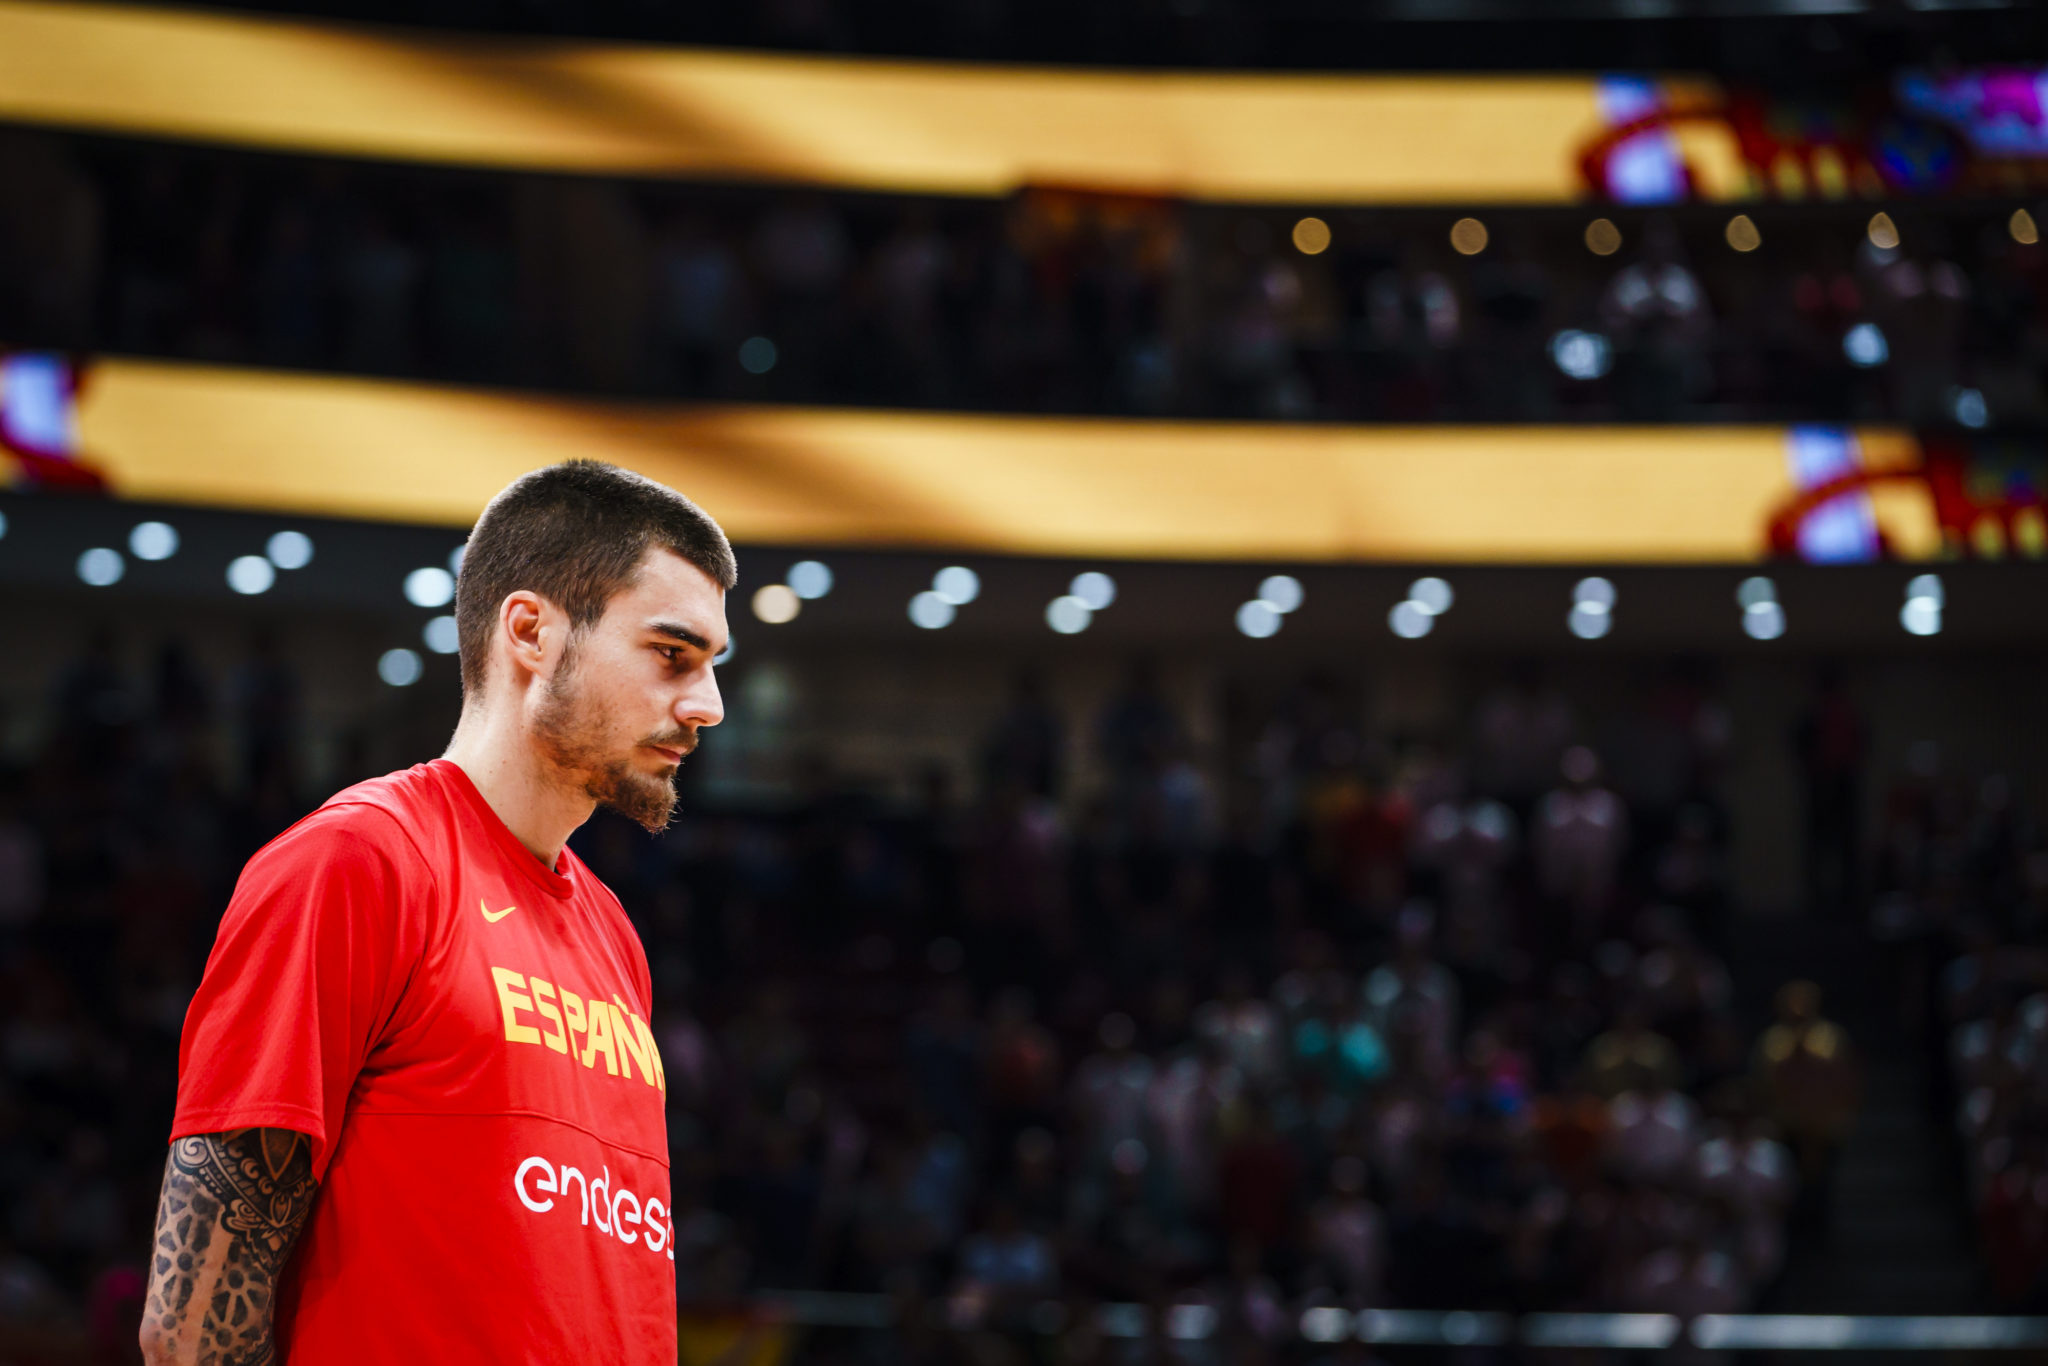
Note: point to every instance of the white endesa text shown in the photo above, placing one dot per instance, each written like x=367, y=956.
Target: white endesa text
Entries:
x=616, y=1214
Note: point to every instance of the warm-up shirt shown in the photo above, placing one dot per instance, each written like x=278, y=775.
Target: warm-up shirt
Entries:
x=463, y=1034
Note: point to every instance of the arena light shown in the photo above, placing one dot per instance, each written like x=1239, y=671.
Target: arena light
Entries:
x=1883, y=233
x=931, y=610
x=400, y=667
x=1432, y=594
x=102, y=566
x=777, y=603
x=1592, y=614
x=153, y=541
x=1763, y=618
x=1068, y=614
x=1580, y=354
x=441, y=635
x=957, y=585
x=1094, y=588
x=1764, y=621
x=1410, y=620
x=758, y=355
x=1311, y=236
x=1925, y=599
x=1863, y=1332
x=1865, y=345
x=430, y=586
x=1637, y=1332
x=1258, y=619
x=3, y=525
x=1594, y=593
x=809, y=579
x=1281, y=592
x=455, y=557
x=1433, y=1327
x=732, y=644
x=1602, y=237
x=1742, y=233
x=251, y=574
x=1588, y=624
x=1326, y=1323
x=1969, y=407
x=291, y=550
x=1468, y=237
x=2021, y=226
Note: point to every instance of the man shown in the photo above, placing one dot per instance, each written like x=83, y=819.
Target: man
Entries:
x=419, y=1107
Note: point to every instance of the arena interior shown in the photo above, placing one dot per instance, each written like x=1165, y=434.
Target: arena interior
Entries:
x=1386, y=689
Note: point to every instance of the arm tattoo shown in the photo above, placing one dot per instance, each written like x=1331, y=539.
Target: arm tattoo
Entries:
x=232, y=1207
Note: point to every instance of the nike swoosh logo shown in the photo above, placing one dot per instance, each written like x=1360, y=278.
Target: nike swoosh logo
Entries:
x=494, y=916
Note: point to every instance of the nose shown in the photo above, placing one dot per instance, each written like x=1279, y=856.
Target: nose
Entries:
x=701, y=703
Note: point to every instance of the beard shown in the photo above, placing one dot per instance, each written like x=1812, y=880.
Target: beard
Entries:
x=571, y=732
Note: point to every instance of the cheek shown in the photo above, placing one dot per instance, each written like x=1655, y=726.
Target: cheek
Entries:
x=617, y=698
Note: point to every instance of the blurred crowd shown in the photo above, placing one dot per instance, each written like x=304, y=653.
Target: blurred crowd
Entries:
x=1964, y=895
x=1044, y=302
x=1308, y=1017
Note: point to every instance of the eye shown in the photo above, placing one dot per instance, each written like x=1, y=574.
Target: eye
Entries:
x=672, y=653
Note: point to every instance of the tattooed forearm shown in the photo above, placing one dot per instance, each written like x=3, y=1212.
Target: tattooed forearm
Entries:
x=231, y=1210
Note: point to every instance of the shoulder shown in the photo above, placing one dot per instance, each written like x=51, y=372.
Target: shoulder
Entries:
x=371, y=822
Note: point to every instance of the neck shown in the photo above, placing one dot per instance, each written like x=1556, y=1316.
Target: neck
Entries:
x=516, y=782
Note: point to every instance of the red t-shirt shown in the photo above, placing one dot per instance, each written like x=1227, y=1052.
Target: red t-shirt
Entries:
x=463, y=1034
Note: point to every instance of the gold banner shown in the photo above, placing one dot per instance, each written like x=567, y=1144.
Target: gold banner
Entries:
x=1015, y=485
x=870, y=125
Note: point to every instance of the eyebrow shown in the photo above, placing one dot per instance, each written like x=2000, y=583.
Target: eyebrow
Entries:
x=680, y=632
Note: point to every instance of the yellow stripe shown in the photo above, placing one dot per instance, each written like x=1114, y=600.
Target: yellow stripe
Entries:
x=1014, y=485
x=865, y=125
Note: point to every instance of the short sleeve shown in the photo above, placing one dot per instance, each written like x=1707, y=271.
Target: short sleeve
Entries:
x=306, y=970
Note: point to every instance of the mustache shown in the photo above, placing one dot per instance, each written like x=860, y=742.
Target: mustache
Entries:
x=684, y=741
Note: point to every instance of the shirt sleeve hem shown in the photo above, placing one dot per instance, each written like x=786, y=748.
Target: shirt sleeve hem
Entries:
x=297, y=1118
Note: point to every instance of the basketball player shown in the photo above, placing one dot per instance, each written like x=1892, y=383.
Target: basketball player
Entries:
x=419, y=1109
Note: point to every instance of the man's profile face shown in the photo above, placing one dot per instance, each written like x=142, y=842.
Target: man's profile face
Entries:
x=629, y=693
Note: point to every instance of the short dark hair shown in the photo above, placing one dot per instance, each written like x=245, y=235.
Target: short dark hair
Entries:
x=574, y=533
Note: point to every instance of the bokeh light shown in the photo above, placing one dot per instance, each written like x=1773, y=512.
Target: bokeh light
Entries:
x=777, y=603
x=809, y=579
x=430, y=586
x=1068, y=614
x=101, y=567
x=1281, y=592
x=251, y=574
x=1095, y=589
x=1258, y=619
x=1433, y=595
x=931, y=611
x=1410, y=620
x=957, y=584
x=400, y=667
x=291, y=550
x=153, y=541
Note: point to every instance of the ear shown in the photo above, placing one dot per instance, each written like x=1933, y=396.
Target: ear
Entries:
x=527, y=631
